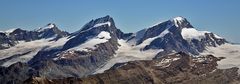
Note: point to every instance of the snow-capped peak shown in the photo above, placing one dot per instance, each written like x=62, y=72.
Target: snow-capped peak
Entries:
x=106, y=21
x=178, y=21
x=179, y=18
x=10, y=30
x=48, y=26
x=181, y=22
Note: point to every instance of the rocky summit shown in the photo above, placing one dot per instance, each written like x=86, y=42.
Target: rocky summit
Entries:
x=170, y=52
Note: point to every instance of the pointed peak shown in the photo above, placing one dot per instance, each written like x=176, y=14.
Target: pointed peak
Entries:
x=181, y=22
x=179, y=18
x=106, y=21
x=46, y=27
x=13, y=29
x=106, y=18
x=50, y=25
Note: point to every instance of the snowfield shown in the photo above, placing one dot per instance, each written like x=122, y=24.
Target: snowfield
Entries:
x=191, y=33
x=33, y=47
x=230, y=51
x=102, y=37
x=126, y=53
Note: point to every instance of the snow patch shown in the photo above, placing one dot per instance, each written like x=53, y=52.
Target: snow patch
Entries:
x=101, y=24
x=166, y=62
x=49, y=26
x=10, y=30
x=102, y=37
x=191, y=33
x=149, y=40
x=178, y=20
x=215, y=35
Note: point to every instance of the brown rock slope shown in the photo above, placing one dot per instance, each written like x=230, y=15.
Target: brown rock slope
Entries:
x=178, y=68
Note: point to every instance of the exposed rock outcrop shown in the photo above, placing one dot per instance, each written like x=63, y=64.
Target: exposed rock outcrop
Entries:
x=178, y=68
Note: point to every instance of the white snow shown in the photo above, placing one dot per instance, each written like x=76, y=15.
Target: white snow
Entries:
x=2, y=32
x=46, y=27
x=50, y=26
x=164, y=33
x=230, y=51
x=149, y=40
x=166, y=62
x=218, y=36
x=191, y=33
x=101, y=24
x=126, y=53
x=10, y=30
x=102, y=37
x=95, y=26
x=33, y=46
x=178, y=20
x=174, y=59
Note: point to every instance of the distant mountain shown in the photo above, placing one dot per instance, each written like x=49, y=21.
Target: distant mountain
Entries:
x=97, y=47
x=177, y=35
x=12, y=37
x=51, y=30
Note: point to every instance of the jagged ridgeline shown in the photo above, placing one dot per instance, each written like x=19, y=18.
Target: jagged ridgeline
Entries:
x=99, y=49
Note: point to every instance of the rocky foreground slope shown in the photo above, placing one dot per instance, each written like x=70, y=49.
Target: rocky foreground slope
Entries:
x=178, y=68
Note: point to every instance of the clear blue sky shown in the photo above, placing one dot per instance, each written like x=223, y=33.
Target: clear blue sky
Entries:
x=219, y=16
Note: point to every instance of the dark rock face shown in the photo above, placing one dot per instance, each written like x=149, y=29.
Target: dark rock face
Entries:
x=89, y=30
x=79, y=63
x=16, y=73
x=5, y=42
x=51, y=32
x=173, y=40
x=18, y=34
x=178, y=68
x=23, y=35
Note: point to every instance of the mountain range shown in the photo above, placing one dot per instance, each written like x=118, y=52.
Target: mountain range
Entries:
x=169, y=52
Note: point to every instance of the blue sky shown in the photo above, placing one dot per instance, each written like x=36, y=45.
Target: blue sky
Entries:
x=218, y=16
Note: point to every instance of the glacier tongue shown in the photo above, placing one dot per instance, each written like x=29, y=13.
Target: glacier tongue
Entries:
x=229, y=51
x=126, y=53
x=33, y=47
x=102, y=37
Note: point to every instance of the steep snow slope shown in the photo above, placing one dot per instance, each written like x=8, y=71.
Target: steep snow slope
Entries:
x=229, y=51
x=191, y=33
x=33, y=47
x=127, y=52
x=102, y=37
